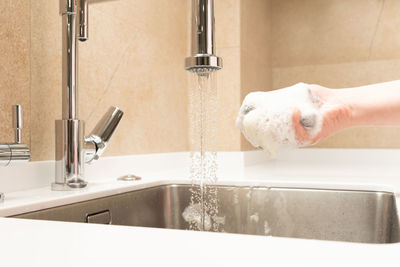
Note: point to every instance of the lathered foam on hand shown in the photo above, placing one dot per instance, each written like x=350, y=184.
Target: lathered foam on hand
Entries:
x=266, y=118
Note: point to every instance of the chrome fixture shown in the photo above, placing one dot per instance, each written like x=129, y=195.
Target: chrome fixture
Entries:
x=15, y=152
x=72, y=149
x=203, y=44
x=129, y=178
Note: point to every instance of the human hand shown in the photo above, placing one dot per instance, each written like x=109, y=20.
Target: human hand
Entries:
x=335, y=115
x=291, y=117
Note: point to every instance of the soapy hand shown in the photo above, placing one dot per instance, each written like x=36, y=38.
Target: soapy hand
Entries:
x=304, y=114
x=334, y=116
x=291, y=117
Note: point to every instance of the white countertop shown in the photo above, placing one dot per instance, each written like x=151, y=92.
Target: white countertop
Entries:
x=43, y=243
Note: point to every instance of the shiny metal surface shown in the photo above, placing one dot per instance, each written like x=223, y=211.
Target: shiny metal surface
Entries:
x=104, y=130
x=69, y=155
x=20, y=153
x=14, y=152
x=102, y=217
x=83, y=19
x=68, y=13
x=72, y=151
x=5, y=154
x=203, y=61
x=202, y=37
x=355, y=216
x=17, y=123
x=129, y=178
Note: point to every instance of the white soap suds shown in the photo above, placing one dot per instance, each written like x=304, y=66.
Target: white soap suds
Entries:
x=265, y=118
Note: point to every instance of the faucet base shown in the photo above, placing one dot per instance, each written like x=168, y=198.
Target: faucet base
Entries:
x=1, y=197
x=69, y=186
x=69, y=155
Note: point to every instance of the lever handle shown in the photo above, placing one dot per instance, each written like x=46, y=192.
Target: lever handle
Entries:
x=106, y=126
x=17, y=122
x=102, y=133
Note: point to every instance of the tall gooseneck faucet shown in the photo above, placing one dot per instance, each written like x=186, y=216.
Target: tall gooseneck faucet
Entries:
x=73, y=150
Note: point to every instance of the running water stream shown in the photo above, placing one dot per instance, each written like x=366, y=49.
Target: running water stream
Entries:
x=202, y=213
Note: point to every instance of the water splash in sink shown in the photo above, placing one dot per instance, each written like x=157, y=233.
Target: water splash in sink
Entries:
x=194, y=215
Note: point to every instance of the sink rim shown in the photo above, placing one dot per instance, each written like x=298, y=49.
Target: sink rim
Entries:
x=247, y=187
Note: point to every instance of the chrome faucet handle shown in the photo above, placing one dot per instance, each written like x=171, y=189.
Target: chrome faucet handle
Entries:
x=15, y=151
x=18, y=123
x=102, y=133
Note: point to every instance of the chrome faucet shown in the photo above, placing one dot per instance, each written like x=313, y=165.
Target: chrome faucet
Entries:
x=203, y=38
x=73, y=150
x=15, y=152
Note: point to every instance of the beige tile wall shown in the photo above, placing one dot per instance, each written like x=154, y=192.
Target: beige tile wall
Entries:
x=255, y=50
x=134, y=59
x=228, y=79
x=243, y=41
x=338, y=44
x=14, y=65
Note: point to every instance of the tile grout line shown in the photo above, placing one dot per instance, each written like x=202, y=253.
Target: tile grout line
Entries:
x=376, y=28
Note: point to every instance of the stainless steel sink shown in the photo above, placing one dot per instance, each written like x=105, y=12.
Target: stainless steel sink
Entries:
x=342, y=215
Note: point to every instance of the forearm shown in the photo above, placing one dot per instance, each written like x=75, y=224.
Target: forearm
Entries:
x=316, y=112
x=371, y=105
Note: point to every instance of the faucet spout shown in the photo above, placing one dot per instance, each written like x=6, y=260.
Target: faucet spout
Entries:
x=202, y=38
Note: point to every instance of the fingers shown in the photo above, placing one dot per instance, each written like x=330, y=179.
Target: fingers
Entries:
x=301, y=133
x=308, y=121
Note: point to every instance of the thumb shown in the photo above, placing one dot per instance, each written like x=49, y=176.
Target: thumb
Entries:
x=301, y=134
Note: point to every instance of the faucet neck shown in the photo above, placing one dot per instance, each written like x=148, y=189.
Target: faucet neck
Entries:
x=202, y=38
x=74, y=15
x=203, y=27
x=68, y=12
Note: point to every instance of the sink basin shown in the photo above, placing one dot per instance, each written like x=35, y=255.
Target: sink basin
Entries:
x=341, y=215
